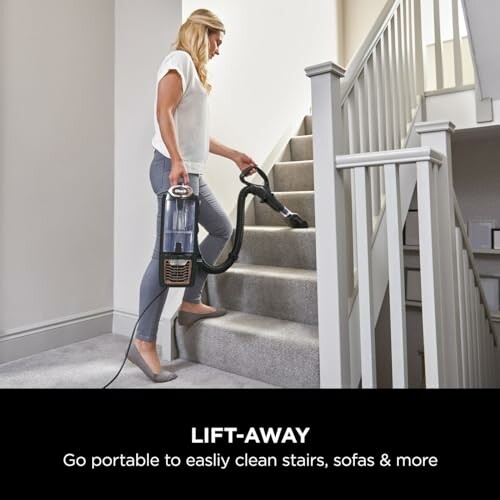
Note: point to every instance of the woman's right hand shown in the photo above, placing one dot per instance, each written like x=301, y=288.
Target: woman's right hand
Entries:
x=178, y=172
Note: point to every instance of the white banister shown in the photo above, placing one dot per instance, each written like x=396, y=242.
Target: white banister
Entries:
x=437, y=135
x=330, y=227
x=475, y=274
x=358, y=62
x=406, y=156
x=390, y=162
x=396, y=278
x=359, y=193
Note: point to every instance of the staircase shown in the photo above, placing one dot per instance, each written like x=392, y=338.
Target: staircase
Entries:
x=270, y=332
x=290, y=306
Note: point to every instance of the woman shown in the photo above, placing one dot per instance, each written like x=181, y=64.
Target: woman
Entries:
x=181, y=146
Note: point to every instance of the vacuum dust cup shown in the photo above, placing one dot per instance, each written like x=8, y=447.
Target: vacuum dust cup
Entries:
x=178, y=237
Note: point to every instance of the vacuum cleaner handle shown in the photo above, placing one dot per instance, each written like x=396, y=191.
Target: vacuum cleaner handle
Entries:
x=246, y=173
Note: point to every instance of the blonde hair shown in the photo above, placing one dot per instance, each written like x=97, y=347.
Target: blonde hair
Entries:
x=193, y=39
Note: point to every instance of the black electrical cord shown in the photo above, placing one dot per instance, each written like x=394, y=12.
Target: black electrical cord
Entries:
x=266, y=196
x=132, y=337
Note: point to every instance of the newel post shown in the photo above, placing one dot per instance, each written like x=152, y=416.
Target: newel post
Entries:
x=437, y=135
x=331, y=248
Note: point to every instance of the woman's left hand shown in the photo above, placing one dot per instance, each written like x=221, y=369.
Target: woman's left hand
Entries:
x=244, y=161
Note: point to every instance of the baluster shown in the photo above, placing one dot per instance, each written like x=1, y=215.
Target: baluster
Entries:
x=365, y=285
x=429, y=272
x=349, y=230
x=467, y=284
x=411, y=45
x=474, y=328
x=437, y=46
x=388, y=92
x=396, y=278
x=461, y=301
x=419, y=56
x=400, y=78
x=457, y=49
x=380, y=90
x=352, y=106
x=361, y=98
x=405, y=73
x=396, y=117
x=372, y=104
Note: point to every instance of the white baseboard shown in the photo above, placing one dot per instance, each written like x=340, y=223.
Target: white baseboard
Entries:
x=32, y=339
x=124, y=323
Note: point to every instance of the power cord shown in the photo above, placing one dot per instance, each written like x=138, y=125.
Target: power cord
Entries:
x=132, y=337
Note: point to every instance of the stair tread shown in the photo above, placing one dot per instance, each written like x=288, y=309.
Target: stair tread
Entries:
x=281, y=229
x=262, y=326
x=301, y=137
x=294, y=193
x=272, y=271
x=294, y=162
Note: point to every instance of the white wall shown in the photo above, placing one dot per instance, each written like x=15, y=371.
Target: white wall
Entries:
x=260, y=87
x=496, y=110
x=56, y=161
x=144, y=34
x=358, y=19
x=456, y=107
x=476, y=170
x=483, y=23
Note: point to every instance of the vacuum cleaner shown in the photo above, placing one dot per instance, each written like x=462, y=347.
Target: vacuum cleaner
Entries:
x=180, y=257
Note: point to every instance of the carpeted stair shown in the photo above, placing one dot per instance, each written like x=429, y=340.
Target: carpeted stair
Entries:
x=270, y=333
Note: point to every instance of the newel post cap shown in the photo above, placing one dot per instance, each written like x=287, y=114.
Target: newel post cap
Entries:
x=323, y=68
x=437, y=126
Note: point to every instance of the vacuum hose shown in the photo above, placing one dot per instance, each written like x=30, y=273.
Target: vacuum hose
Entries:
x=265, y=194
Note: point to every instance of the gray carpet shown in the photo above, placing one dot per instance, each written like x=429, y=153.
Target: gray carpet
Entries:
x=270, y=332
x=92, y=363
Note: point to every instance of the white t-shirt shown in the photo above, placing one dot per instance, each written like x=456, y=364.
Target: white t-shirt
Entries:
x=191, y=115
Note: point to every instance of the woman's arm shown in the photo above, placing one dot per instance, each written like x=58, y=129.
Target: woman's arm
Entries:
x=241, y=159
x=169, y=96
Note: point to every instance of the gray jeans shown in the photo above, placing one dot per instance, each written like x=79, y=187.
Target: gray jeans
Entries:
x=211, y=217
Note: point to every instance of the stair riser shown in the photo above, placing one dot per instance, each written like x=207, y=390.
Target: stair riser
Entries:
x=282, y=248
x=308, y=125
x=301, y=148
x=289, y=177
x=302, y=204
x=271, y=295
x=293, y=365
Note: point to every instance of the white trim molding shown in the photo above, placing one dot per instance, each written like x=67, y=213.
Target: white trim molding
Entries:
x=32, y=339
x=124, y=323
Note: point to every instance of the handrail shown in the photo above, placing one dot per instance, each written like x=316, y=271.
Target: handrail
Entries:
x=461, y=224
x=357, y=63
x=380, y=158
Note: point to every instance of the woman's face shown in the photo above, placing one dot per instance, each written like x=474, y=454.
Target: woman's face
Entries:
x=214, y=42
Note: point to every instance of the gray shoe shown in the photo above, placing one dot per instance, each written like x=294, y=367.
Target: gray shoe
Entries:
x=187, y=318
x=135, y=357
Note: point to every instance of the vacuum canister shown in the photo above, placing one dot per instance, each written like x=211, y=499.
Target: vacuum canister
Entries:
x=178, y=237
